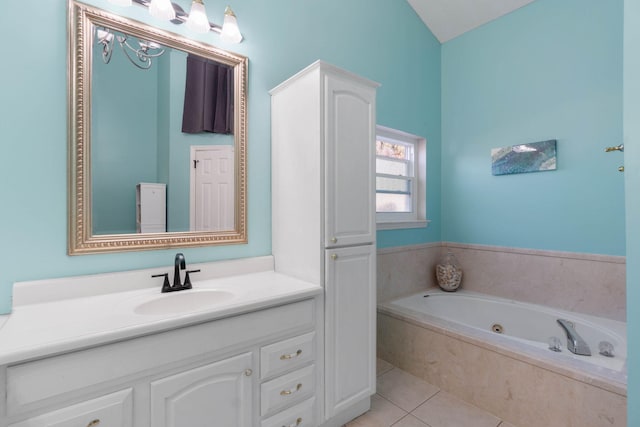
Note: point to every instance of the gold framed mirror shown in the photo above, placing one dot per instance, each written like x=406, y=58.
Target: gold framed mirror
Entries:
x=113, y=149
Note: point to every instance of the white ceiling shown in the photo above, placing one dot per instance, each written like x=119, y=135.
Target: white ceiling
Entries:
x=448, y=19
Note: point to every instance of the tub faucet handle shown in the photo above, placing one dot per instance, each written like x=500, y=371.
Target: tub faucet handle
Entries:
x=555, y=344
x=606, y=348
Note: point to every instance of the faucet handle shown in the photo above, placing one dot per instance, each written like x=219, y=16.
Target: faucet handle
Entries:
x=187, y=279
x=166, y=286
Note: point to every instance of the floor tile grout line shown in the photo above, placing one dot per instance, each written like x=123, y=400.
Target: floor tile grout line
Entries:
x=428, y=425
x=428, y=399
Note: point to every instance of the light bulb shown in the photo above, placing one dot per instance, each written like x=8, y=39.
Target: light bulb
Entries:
x=162, y=9
x=230, y=31
x=124, y=3
x=198, y=21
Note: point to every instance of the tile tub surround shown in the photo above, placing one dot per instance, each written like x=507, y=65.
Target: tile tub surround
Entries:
x=406, y=270
x=583, y=283
x=514, y=390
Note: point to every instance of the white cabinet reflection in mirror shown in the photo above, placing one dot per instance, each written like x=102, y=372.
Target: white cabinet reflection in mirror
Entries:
x=151, y=208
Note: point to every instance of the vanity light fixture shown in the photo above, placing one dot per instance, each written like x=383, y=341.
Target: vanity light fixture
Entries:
x=230, y=31
x=162, y=9
x=196, y=20
x=140, y=54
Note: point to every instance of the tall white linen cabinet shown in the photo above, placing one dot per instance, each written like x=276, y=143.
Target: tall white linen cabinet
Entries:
x=323, y=196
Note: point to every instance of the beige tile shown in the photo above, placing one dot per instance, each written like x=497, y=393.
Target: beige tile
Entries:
x=410, y=421
x=405, y=390
x=590, y=284
x=445, y=410
x=382, y=414
x=406, y=271
x=524, y=394
x=382, y=366
x=506, y=424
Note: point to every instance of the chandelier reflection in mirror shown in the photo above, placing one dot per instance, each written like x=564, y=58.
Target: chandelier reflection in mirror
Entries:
x=196, y=21
x=140, y=54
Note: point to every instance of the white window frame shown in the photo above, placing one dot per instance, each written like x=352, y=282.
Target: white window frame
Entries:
x=417, y=218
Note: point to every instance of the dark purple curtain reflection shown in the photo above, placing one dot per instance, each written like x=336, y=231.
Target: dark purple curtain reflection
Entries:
x=208, y=98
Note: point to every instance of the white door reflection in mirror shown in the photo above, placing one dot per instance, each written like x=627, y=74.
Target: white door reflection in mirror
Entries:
x=212, y=184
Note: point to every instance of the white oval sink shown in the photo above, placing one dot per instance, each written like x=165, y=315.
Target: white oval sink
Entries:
x=183, y=301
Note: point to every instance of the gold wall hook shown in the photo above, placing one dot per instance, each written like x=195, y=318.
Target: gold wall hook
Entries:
x=615, y=148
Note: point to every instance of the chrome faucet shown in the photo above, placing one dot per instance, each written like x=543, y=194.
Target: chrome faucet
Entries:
x=179, y=263
x=575, y=343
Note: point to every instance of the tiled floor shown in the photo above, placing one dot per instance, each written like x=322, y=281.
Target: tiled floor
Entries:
x=404, y=400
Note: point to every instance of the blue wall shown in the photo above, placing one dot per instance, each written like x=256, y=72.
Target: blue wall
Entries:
x=550, y=70
x=383, y=40
x=632, y=187
x=122, y=155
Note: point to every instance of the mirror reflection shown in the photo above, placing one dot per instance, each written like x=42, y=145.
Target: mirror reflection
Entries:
x=162, y=138
x=158, y=138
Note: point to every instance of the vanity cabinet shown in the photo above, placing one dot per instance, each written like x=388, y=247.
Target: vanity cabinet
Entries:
x=323, y=189
x=240, y=371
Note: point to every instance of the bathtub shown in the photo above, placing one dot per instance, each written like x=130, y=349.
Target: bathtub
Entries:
x=494, y=353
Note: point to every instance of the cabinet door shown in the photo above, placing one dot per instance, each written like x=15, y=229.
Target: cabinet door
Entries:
x=350, y=326
x=349, y=162
x=218, y=394
x=111, y=410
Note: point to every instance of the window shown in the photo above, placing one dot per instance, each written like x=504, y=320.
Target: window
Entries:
x=400, y=179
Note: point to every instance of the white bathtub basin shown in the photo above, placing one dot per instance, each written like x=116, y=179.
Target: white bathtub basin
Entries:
x=187, y=301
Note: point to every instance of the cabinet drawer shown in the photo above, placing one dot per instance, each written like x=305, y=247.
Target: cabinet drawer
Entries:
x=111, y=410
x=301, y=415
x=287, y=390
x=288, y=354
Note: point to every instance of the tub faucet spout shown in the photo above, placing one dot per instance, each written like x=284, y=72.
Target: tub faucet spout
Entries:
x=575, y=343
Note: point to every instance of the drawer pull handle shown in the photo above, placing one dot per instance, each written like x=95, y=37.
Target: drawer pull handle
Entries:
x=94, y=423
x=334, y=240
x=291, y=356
x=290, y=392
x=297, y=423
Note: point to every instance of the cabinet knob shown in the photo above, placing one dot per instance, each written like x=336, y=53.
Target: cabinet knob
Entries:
x=297, y=423
x=334, y=256
x=621, y=169
x=248, y=372
x=94, y=423
x=291, y=356
x=334, y=240
x=290, y=392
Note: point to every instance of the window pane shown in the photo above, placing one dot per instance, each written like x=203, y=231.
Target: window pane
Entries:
x=387, y=149
x=393, y=203
x=397, y=185
x=392, y=167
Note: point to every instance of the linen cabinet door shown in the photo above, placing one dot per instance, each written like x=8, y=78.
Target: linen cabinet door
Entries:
x=350, y=338
x=218, y=394
x=349, y=162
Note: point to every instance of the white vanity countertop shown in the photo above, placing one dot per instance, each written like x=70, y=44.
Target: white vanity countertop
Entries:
x=46, y=328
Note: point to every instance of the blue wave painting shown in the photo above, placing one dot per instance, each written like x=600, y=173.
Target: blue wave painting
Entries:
x=533, y=157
